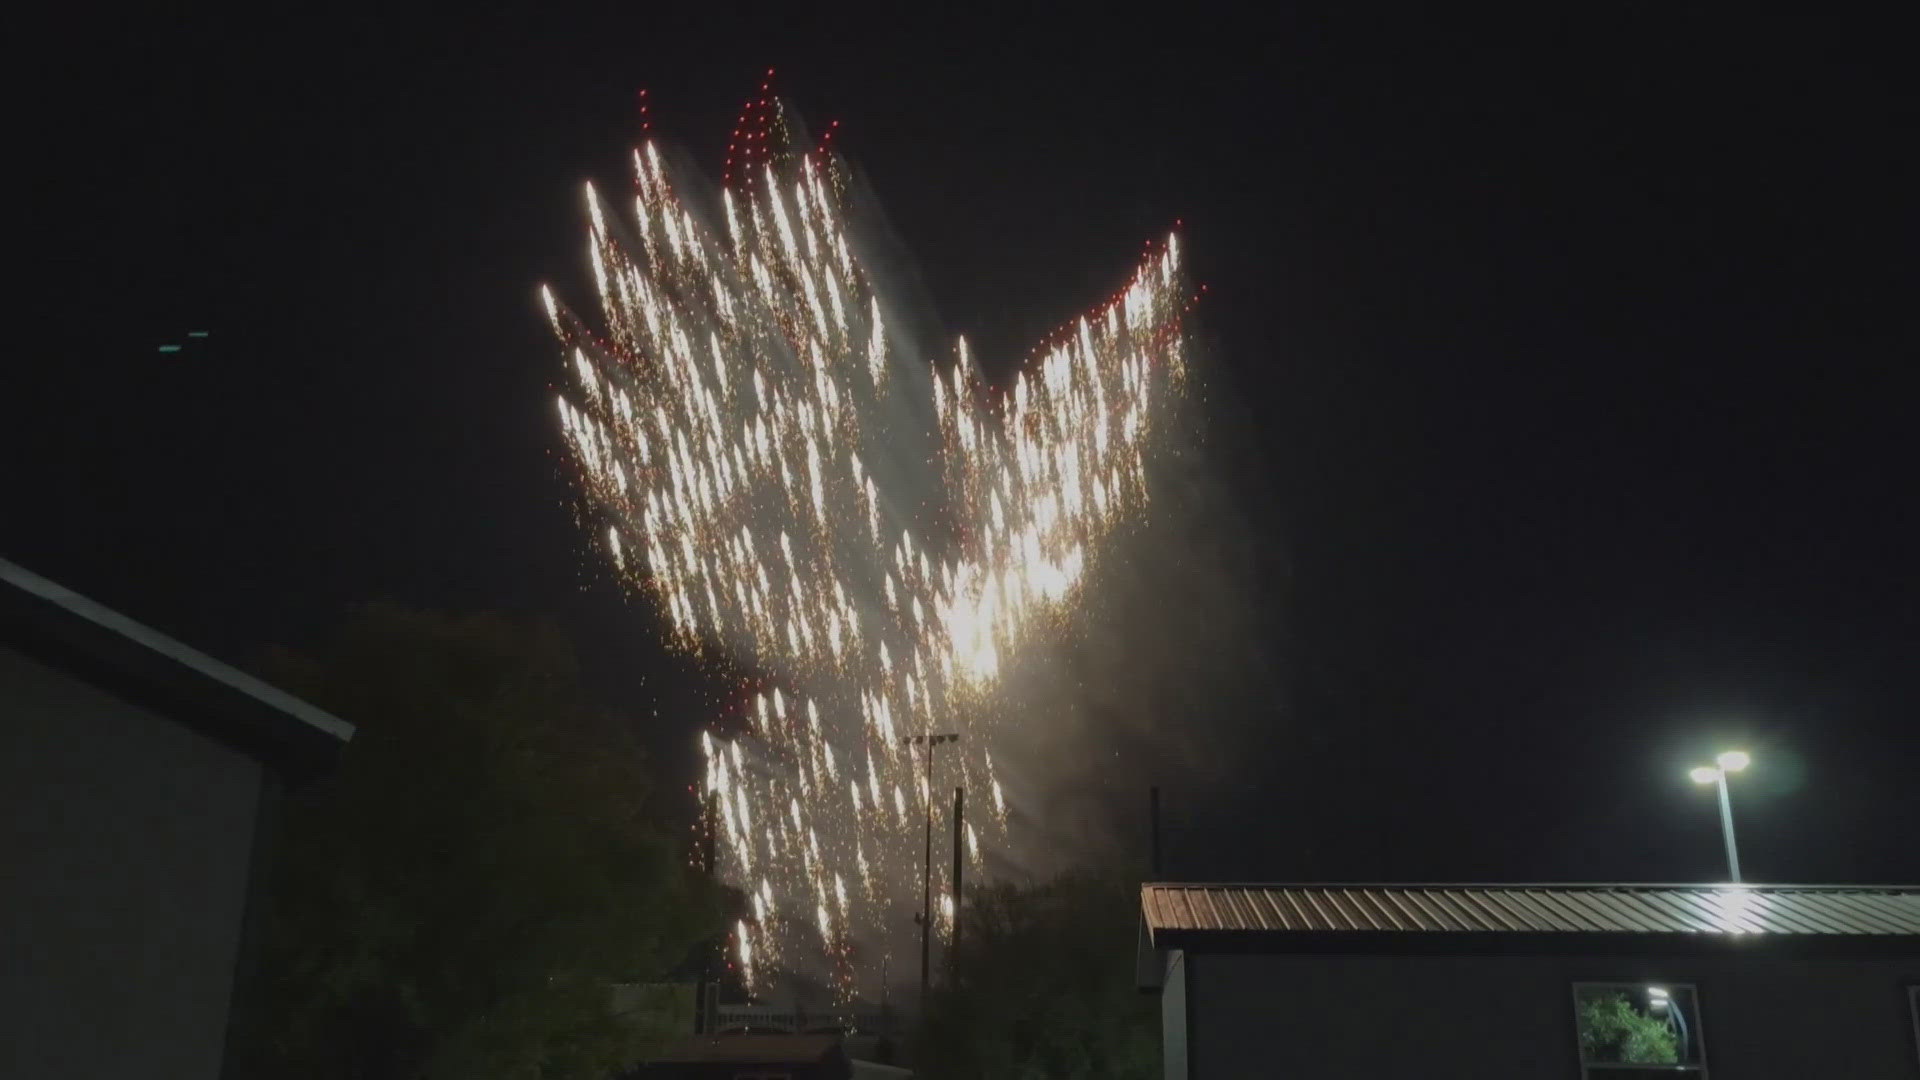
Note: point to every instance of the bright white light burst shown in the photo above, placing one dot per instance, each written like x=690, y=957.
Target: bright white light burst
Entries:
x=758, y=442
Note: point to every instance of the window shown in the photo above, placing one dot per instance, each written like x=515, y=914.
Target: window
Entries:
x=1638, y=1029
x=1913, y=1010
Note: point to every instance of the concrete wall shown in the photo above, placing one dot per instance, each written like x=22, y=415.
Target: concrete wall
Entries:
x=124, y=847
x=1491, y=1018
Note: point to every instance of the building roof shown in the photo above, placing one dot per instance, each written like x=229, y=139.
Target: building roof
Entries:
x=1633, y=909
x=1235, y=918
x=65, y=630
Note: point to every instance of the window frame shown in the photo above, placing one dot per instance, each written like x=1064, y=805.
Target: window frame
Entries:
x=1697, y=1031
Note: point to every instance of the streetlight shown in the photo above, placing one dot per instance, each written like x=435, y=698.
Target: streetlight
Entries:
x=1660, y=1001
x=930, y=741
x=1730, y=762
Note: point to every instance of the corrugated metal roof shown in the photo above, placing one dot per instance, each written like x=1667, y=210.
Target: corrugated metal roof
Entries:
x=1182, y=910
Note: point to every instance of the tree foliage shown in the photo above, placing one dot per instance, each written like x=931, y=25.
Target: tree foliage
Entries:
x=1045, y=987
x=1613, y=1031
x=459, y=896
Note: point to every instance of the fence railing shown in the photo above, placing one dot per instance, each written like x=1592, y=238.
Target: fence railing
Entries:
x=744, y=1017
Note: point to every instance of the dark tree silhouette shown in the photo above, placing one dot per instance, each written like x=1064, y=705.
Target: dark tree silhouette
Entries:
x=460, y=896
x=1045, y=987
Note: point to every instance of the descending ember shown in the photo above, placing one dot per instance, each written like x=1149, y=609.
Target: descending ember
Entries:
x=755, y=439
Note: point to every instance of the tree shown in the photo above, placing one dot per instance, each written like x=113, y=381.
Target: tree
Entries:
x=458, y=898
x=1045, y=987
x=1613, y=1031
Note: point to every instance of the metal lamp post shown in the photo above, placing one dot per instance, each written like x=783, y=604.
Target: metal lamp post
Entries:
x=1730, y=762
x=1659, y=1000
x=929, y=740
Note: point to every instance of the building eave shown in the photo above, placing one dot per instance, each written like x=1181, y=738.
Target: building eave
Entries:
x=68, y=631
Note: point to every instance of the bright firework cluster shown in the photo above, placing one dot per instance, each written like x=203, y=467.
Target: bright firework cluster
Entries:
x=743, y=427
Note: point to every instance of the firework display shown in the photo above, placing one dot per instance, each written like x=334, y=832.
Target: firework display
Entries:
x=763, y=459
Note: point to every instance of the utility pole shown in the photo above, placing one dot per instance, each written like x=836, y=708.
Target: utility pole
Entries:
x=926, y=879
x=703, y=983
x=959, y=865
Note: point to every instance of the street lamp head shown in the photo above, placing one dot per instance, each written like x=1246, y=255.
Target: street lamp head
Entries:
x=1729, y=762
x=930, y=739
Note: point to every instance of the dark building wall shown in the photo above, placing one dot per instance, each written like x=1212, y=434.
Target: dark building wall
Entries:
x=1173, y=1019
x=1492, y=1018
x=125, y=841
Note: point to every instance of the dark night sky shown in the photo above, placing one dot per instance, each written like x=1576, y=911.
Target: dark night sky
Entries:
x=1561, y=372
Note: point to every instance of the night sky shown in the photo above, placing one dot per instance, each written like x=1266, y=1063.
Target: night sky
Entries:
x=1559, y=379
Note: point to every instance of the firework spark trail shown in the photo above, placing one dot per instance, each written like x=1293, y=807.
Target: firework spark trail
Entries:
x=735, y=428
